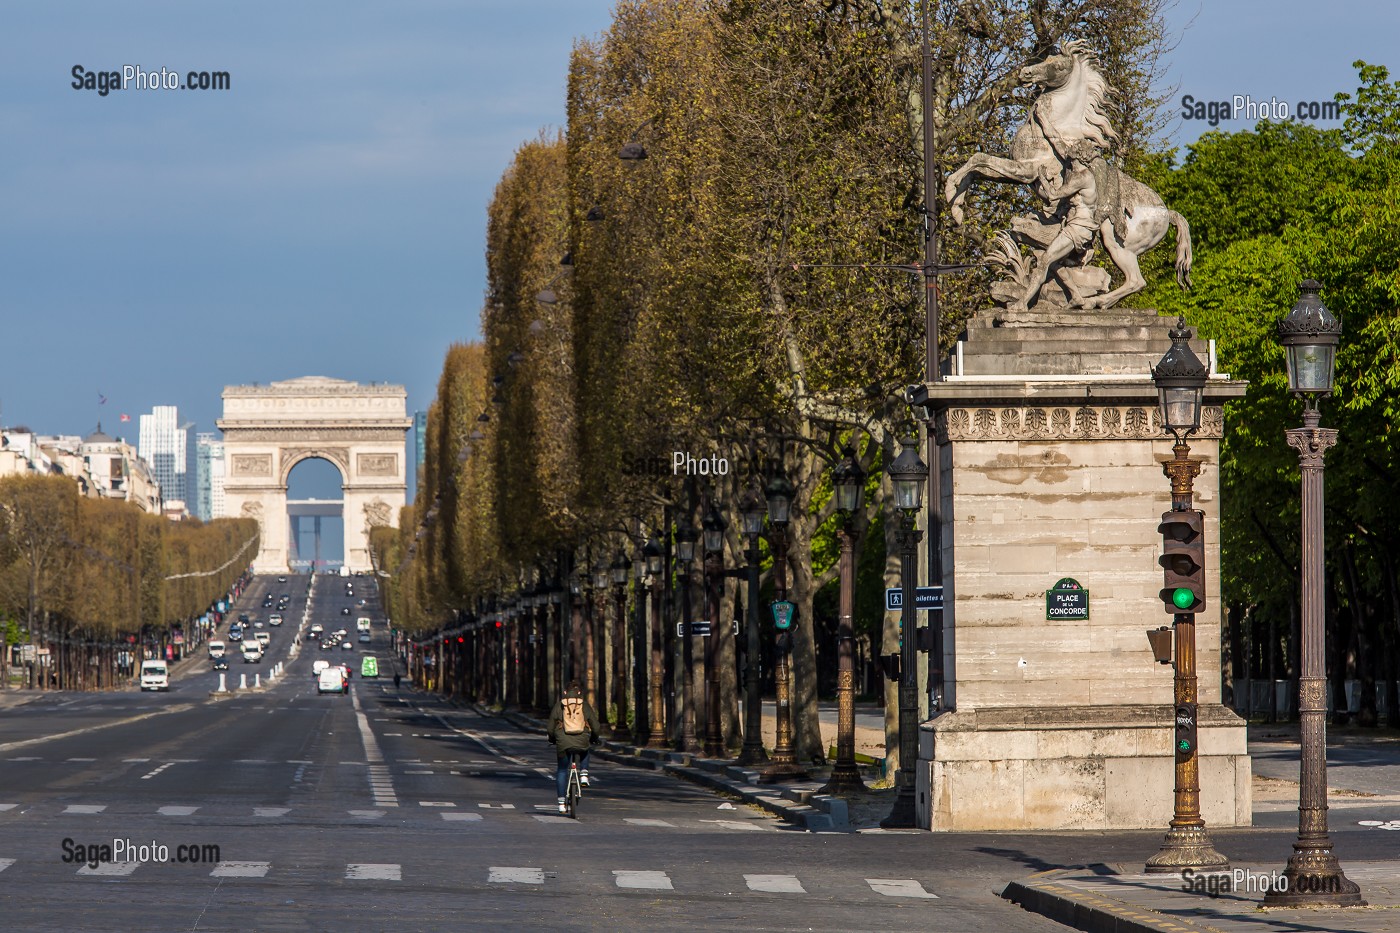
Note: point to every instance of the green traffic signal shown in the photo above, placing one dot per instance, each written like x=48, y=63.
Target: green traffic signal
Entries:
x=1183, y=598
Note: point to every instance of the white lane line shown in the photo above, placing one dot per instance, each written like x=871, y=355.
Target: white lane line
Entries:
x=135, y=761
x=367, y=814
x=515, y=876
x=85, y=808
x=776, y=884
x=380, y=781
x=738, y=824
x=496, y=806
x=271, y=811
x=368, y=871
x=898, y=888
x=298, y=761
x=6, y=863
x=639, y=821
x=436, y=803
x=177, y=811
x=30, y=759
x=7, y=806
x=240, y=870
x=418, y=772
x=158, y=770
x=119, y=869
x=251, y=761
x=462, y=817
x=555, y=817
x=654, y=880
x=82, y=759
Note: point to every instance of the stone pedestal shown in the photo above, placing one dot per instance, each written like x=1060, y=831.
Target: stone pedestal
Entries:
x=1051, y=453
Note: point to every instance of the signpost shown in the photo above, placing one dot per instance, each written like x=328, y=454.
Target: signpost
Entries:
x=925, y=597
x=1066, y=601
x=784, y=611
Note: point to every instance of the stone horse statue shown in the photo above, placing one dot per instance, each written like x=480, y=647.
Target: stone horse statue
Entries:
x=1131, y=217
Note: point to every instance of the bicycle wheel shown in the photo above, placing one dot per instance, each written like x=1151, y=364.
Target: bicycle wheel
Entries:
x=575, y=792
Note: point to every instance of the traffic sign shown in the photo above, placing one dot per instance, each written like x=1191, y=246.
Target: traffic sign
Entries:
x=700, y=628
x=784, y=611
x=925, y=597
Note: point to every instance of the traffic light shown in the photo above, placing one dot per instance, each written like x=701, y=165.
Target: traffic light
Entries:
x=1185, y=739
x=1183, y=561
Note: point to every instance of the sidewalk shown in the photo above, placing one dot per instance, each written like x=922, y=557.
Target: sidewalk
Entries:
x=1109, y=902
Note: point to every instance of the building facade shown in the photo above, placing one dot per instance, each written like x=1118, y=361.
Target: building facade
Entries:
x=164, y=445
x=210, y=469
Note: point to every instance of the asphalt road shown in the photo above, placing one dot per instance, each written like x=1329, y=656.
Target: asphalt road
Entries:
x=390, y=810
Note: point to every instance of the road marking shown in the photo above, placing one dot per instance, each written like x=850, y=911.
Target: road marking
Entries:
x=894, y=888
x=555, y=817
x=6, y=863
x=776, y=884
x=462, y=817
x=240, y=870
x=737, y=824
x=367, y=814
x=135, y=761
x=496, y=806
x=639, y=821
x=271, y=811
x=82, y=759
x=27, y=759
x=7, y=806
x=177, y=811
x=251, y=761
x=119, y=869
x=158, y=770
x=436, y=803
x=298, y=761
x=397, y=735
x=367, y=871
x=515, y=876
x=24, y=743
x=654, y=880
x=418, y=772
x=85, y=808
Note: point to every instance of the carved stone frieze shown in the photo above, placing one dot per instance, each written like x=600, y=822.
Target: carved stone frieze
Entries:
x=292, y=432
x=1066, y=422
x=378, y=513
x=252, y=465
x=377, y=464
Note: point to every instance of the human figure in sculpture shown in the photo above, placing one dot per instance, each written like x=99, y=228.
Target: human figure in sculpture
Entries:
x=1077, y=231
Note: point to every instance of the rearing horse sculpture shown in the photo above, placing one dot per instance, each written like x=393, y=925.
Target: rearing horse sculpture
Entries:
x=1069, y=109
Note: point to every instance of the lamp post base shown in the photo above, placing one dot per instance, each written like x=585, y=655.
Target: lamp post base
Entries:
x=845, y=780
x=903, y=815
x=780, y=770
x=753, y=754
x=620, y=732
x=657, y=739
x=1315, y=879
x=1186, y=847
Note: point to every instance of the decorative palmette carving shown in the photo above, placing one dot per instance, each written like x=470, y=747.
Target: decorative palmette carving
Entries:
x=1126, y=422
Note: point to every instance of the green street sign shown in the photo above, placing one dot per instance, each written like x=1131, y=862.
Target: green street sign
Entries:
x=784, y=611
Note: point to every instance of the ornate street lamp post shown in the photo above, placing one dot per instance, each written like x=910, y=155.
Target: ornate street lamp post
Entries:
x=620, y=565
x=782, y=766
x=753, y=509
x=714, y=528
x=641, y=695
x=908, y=474
x=656, y=566
x=1310, y=334
x=848, y=480
x=685, y=554
x=599, y=646
x=576, y=602
x=1180, y=378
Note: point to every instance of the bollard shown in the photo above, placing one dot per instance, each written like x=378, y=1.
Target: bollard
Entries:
x=242, y=681
x=257, y=680
x=223, y=688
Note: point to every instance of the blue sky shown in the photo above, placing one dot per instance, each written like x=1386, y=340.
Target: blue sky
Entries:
x=326, y=215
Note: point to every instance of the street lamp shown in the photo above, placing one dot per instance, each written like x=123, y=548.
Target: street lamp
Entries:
x=848, y=481
x=752, y=510
x=1310, y=334
x=601, y=579
x=714, y=527
x=783, y=765
x=686, y=536
x=656, y=564
x=908, y=474
x=620, y=566
x=1180, y=378
x=640, y=667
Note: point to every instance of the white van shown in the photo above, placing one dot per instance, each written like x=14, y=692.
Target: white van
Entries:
x=154, y=675
x=331, y=680
x=252, y=652
x=217, y=649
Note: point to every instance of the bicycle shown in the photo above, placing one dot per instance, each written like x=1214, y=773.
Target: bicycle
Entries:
x=575, y=789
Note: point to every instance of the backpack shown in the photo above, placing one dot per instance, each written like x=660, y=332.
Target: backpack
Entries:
x=574, y=721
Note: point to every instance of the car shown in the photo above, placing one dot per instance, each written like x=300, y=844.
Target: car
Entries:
x=267, y=603
x=235, y=632
x=220, y=663
x=360, y=603
x=369, y=666
x=257, y=623
x=327, y=644
x=275, y=619
x=345, y=610
x=281, y=579
x=346, y=646
x=252, y=652
x=263, y=638
x=217, y=649
x=243, y=617
x=349, y=671
x=319, y=665
x=332, y=680
x=316, y=631
x=364, y=638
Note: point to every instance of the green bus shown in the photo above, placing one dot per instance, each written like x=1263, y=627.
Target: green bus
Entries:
x=369, y=667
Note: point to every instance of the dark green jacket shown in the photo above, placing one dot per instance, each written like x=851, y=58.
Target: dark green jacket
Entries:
x=568, y=742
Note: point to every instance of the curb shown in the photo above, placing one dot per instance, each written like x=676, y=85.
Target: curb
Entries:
x=798, y=804
x=1042, y=894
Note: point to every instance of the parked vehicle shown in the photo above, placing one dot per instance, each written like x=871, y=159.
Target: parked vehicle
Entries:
x=155, y=675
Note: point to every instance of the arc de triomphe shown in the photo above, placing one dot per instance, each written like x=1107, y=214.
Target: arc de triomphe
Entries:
x=269, y=429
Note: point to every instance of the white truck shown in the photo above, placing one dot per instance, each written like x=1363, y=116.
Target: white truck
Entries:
x=155, y=675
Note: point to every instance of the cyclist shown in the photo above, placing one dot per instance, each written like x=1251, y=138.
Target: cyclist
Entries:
x=573, y=727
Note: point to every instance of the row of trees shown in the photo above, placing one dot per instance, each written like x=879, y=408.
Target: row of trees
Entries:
x=84, y=577
x=717, y=297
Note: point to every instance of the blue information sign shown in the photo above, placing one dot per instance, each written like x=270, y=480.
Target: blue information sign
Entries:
x=925, y=597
